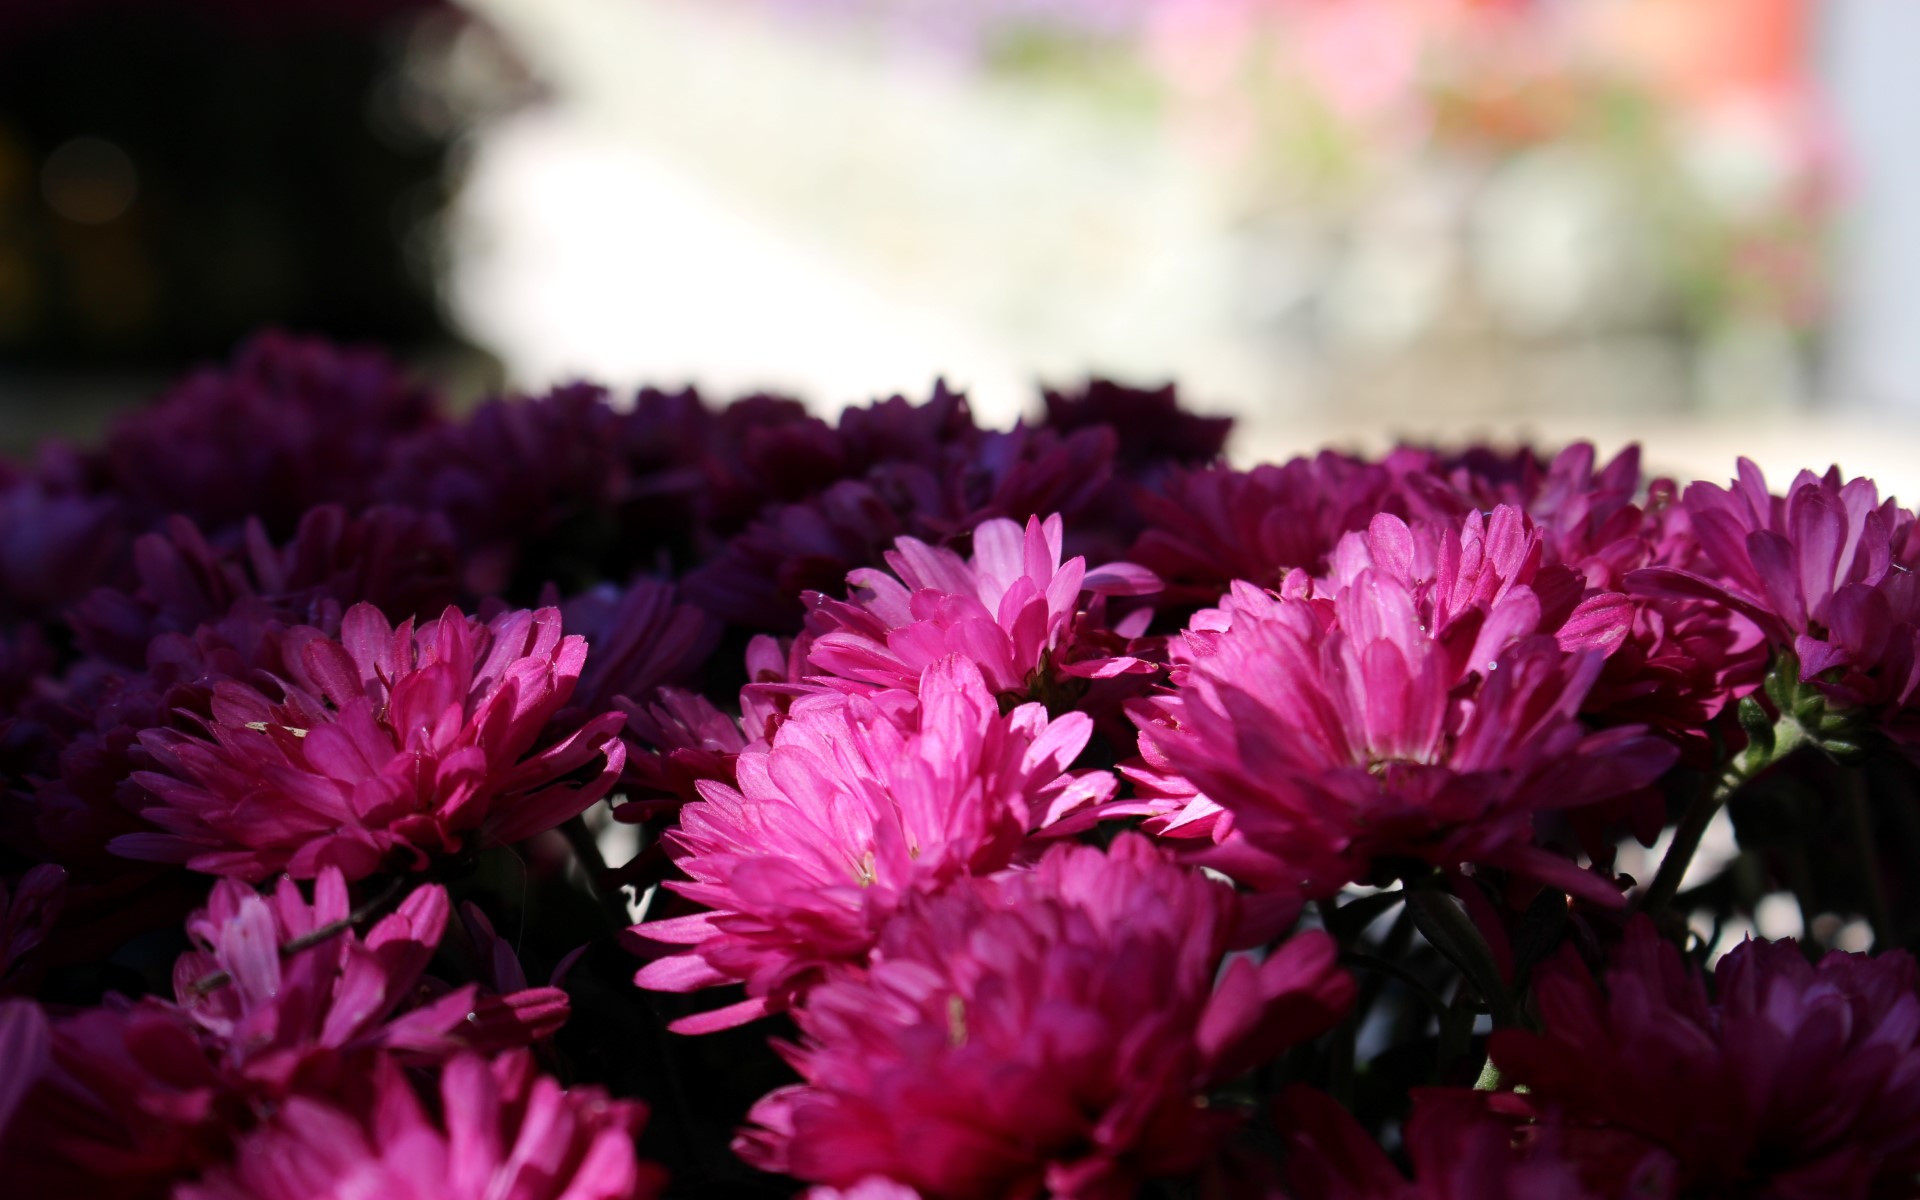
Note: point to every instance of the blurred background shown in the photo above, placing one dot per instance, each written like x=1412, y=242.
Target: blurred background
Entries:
x=1687, y=222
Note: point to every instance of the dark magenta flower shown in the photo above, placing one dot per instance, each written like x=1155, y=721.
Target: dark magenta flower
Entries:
x=494, y=1129
x=1213, y=526
x=58, y=536
x=1462, y=1150
x=400, y=561
x=1050, y=1031
x=639, y=638
x=1791, y=1079
x=28, y=912
x=384, y=748
x=860, y=802
x=291, y=424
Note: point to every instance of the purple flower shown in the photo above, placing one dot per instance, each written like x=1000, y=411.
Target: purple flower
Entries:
x=384, y=748
x=1792, y=1079
x=292, y=423
x=393, y=558
x=640, y=638
x=1052, y=1028
x=859, y=802
x=1461, y=1149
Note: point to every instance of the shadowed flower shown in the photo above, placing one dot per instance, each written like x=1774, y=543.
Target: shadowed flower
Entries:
x=1213, y=526
x=57, y=537
x=398, y=560
x=292, y=423
x=26, y=917
x=499, y=1129
x=1795, y=1079
x=640, y=638
x=1010, y=609
x=1462, y=1150
x=1052, y=1029
x=860, y=802
x=1342, y=735
x=283, y=987
x=386, y=747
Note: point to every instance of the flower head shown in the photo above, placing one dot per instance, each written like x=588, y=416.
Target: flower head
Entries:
x=281, y=986
x=1463, y=1150
x=387, y=745
x=498, y=1129
x=1792, y=1078
x=1010, y=608
x=859, y=802
x=1046, y=1028
x=1826, y=573
x=1338, y=734
x=291, y=424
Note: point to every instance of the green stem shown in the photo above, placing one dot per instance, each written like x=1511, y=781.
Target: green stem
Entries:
x=1788, y=736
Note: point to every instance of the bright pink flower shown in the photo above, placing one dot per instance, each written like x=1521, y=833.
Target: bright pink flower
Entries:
x=1342, y=735
x=279, y=998
x=1794, y=1079
x=1050, y=1028
x=860, y=802
x=499, y=1129
x=1461, y=1150
x=384, y=748
x=1479, y=585
x=1827, y=572
x=281, y=986
x=1010, y=609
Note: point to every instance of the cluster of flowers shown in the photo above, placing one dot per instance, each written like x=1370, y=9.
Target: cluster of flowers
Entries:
x=1068, y=812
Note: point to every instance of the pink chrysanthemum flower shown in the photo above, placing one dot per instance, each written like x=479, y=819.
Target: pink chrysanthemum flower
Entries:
x=1793, y=1079
x=1010, y=609
x=1343, y=735
x=499, y=1129
x=1827, y=572
x=1049, y=1029
x=386, y=747
x=1480, y=585
x=860, y=802
x=280, y=997
x=278, y=984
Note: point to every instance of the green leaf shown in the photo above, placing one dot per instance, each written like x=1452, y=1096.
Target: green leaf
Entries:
x=1448, y=929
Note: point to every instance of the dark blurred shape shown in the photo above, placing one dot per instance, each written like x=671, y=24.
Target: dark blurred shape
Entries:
x=176, y=174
